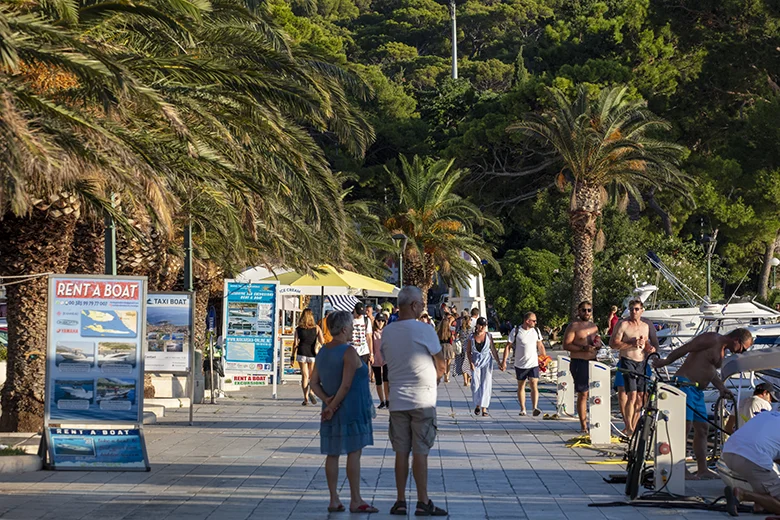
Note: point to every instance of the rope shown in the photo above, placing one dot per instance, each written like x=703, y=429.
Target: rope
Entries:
x=22, y=278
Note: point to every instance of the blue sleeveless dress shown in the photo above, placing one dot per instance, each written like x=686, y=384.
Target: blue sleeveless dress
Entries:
x=351, y=427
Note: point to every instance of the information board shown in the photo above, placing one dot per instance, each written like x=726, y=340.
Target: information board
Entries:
x=96, y=449
x=249, y=327
x=95, y=357
x=169, y=318
x=94, y=372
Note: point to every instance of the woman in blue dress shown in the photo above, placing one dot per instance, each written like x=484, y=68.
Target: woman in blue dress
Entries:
x=340, y=380
x=481, y=352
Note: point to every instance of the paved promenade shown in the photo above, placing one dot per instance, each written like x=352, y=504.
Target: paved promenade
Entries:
x=250, y=457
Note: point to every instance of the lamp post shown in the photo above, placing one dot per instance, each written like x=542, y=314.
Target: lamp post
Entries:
x=453, y=10
x=775, y=262
x=400, y=242
x=709, y=242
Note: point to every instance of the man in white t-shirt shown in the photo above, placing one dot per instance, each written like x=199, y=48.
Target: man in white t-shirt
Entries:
x=415, y=364
x=527, y=342
x=751, y=453
x=473, y=319
x=760, y=401
x=362, y=334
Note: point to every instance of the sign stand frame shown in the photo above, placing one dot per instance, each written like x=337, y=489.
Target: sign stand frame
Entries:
x=46, y=446
x=273, y=370
x=190, y=373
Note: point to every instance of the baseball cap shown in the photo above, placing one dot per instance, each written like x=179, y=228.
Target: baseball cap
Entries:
x=359, y=309
x=766, y=387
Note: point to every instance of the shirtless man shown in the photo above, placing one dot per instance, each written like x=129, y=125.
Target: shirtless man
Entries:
x=634, y=338
x=705, y=356
x=582, y=340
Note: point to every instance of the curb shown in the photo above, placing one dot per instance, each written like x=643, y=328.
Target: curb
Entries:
x=20, y=463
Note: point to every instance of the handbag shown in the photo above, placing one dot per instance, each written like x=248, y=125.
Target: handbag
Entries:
x=457, y=347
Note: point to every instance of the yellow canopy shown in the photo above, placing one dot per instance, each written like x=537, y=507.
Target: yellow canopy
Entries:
x=333, y=278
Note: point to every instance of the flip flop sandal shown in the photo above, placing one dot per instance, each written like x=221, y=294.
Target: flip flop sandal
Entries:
x=365, y=508
x=339, y=509
x=399, y=508
x=485, y=414
x=429, y=510
x=476, y=410
x=537, y=412
x=522, y=414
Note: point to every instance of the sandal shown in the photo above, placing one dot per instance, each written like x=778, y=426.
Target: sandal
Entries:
x=312, y=399
x=338, y=509
x=365, y=508
x=476, y=410
x=522, y=413
x=429, y=509
x=399, y=508
x=305, y=403
x=485, y=413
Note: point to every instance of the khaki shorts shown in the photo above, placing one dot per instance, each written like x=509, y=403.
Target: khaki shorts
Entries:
x=762, y=480
x=413, y=430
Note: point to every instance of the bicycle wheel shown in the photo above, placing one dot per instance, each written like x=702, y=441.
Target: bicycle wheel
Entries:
x=633, y=481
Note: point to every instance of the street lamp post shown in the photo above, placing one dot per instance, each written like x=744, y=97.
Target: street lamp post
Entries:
x=400, y=242
x=453, y=10
x=709, y=242
x=775, y=262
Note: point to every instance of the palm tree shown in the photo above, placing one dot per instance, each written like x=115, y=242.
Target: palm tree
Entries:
x=611, y=140
x=441, y=225
x=192, y=111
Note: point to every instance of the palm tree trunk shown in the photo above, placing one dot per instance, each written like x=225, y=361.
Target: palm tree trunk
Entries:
x=586, y=207
x=87, y=255
x=766, y=267
x=418, y=273
x=38, y=243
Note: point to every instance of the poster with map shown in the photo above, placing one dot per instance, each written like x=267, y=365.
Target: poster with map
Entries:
x=249, y=327
x=95, y=354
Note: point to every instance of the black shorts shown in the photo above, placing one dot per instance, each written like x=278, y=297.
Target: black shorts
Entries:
x=579, y=372
x=633, y=380
x=527, y=373
x=380, y=375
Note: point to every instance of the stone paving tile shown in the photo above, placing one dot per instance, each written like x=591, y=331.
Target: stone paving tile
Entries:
x=252, y=457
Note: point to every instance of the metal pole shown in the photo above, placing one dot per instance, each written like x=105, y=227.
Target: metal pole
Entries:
x=454, y=40
x=110, y=245
x=188, y=278
x=211, y=366
x=322, y=302
x=191, y=375
x=401, y=270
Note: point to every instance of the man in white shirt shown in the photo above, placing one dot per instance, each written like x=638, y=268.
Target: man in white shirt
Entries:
x=415, y=364
x=751, y=453
x=473, y=319
x=362, y=334
x=527, y=342
x=760, y=401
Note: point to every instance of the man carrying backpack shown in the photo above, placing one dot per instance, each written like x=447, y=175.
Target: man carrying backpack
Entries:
x=361, y=334
x=527, y=342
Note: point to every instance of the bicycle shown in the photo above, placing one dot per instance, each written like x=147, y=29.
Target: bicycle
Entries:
x=640, y=444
